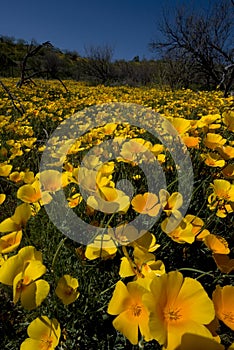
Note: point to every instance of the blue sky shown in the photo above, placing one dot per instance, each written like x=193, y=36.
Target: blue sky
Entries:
x=126, y=25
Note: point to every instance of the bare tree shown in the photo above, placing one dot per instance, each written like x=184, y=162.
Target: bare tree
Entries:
x=52, y=64
x=203, y=38
x=26, y=73
x=98, y=64
x=14, y=100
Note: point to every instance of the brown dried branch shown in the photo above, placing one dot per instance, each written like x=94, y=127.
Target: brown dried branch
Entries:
x=13, y=99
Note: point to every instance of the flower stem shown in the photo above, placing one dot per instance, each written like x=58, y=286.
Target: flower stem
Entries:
x=57, y=251
x=203, y=273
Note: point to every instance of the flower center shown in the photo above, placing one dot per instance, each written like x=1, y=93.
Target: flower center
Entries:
x=46, y=344
x=136, y=310
x=172, y=315
x=223, y=195
x=69, y=290
x=23, y=283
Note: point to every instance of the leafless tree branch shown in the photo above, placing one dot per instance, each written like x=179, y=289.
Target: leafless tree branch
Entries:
x=13, y=99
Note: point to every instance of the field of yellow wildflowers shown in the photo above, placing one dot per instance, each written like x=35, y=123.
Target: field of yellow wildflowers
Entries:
x=124, y=287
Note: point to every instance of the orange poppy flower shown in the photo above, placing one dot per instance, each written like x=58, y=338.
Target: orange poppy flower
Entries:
x=224, y=263
x=191, y=141
x=177, y=305
x=10, y=242
x=223, y=298
x=217, y=244
x=146, y=203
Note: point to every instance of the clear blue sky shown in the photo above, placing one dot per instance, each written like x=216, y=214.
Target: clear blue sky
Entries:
x=127, y=25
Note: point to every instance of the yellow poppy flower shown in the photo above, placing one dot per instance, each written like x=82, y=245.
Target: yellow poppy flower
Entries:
x=223, y=298
x=111, y=201
x=213, y=141
x=10, y=242
x=213, y=160
x=123, y=233
x=183, y=233
x=75, y=147
x=126, y=302
x=2, y=198
x=137, y=145
x=226, y=152
x=144, y=266
x=3, y=152
x=190, y=341
x=157, y=149
x=228, y=172
x=75, y=200
x=103, y=247
x=66, y=289
x=108, y=193
x=5, y=169
x=3, y=258
x=17, y=263
x=207, y=120
x=87, y=179
x=103, y=181
x=29, y=142
x=51, y=180
x=105, y=169
x=92, y=162
x=29, y=177
x=31, y=193
x=223, y=190
x=142, y=257
x=177, y=306
x=171, y=203
x=44, y=334
x=17, y=221
x=136, y=150
x=228, y=119
x=223, y=194
x=109, y=128
x=147, y=241
x=149, y=271
x=127, y=268
x=197, y=225
x=27, y=288
x=16, y=176
x=146, y=203
x=180, y=124
x=191, y=141
x=161, y=158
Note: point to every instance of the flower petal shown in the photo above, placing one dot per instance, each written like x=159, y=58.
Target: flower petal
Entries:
x=30, y=344
x=127, y=325
x=117, y=303
x=202, y=311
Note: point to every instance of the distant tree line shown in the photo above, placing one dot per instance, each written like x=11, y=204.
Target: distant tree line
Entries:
x=46, y=61
x=196, y=51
